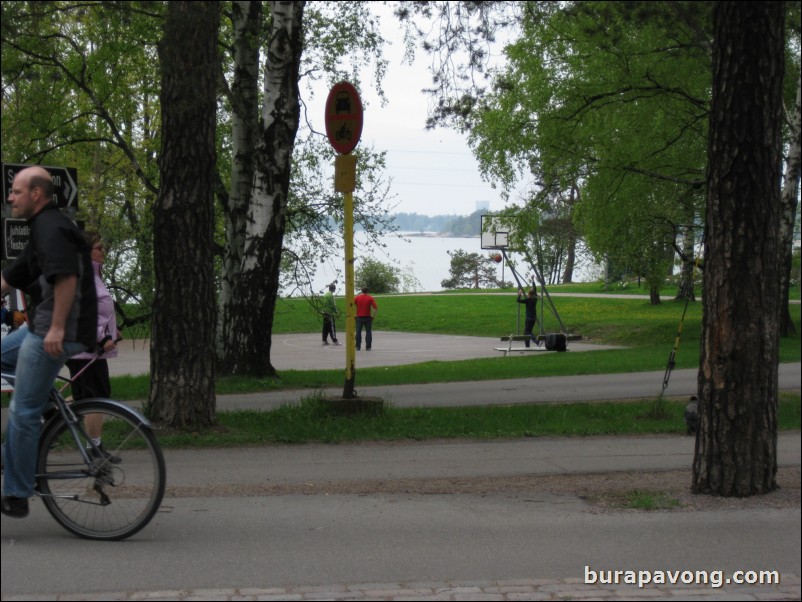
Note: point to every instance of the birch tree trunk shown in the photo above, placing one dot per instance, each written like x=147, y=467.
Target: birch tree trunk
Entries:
x=247, y=30
x=248, y=315
x=182, y=341
x=736, y=445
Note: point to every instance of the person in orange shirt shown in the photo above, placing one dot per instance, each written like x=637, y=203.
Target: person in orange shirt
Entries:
x=365, y=312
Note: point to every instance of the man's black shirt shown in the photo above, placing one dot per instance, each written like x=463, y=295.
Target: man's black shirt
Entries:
x=57, y=248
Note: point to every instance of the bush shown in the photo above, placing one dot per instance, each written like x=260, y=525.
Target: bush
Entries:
x=378, y=277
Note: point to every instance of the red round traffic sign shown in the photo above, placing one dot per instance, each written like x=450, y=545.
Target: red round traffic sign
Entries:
x=343, y=117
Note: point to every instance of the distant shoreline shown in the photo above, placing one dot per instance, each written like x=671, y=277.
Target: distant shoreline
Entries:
x=434, y=235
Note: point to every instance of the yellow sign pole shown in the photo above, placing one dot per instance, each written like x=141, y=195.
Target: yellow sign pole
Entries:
x=345, y=182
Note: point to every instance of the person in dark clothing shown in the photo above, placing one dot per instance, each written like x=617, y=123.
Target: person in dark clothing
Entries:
x=56, y=271
x=90, y=374
x=530, y=300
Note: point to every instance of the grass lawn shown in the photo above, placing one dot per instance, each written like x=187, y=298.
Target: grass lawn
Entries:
x=311, y=421
x=648, y=332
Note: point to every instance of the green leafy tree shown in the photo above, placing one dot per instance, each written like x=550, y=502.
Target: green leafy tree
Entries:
x=80, y=88
x=615, y=93
x=261, y=210
x=471, y=270
x=611, y=116
x=378, y=277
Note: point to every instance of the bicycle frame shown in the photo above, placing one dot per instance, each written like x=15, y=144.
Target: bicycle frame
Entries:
x=63, y=409
x=86, y=489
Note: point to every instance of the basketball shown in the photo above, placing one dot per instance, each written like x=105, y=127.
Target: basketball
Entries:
x=497, y=258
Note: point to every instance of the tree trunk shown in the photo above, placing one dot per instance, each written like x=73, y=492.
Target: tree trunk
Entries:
x=247, y=30
x=685, y=290
x=736, y=444
x=790, y=194
x=570, y=262
x=182, y=343
x=249, y=313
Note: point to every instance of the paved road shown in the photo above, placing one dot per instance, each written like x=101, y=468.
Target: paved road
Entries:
x=335, y=522
x=597, y=387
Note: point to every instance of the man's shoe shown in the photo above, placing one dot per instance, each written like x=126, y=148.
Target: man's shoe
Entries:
x=102, y=454
x=325, y=343
x=15, y=507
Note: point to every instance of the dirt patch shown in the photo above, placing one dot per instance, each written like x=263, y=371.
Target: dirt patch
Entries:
x=604, y=492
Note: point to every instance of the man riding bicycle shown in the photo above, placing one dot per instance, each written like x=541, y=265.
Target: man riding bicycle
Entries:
x=56, y=271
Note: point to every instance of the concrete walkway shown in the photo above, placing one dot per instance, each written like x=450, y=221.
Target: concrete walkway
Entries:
x=305, y=352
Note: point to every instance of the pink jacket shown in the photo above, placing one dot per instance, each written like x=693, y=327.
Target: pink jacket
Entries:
x=106, y=320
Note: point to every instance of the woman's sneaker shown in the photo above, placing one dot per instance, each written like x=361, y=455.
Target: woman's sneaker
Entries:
x=101, y=454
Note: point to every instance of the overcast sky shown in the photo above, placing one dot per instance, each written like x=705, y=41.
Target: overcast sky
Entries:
x=433, y=172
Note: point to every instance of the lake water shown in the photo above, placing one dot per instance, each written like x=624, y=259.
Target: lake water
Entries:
x=424, y=257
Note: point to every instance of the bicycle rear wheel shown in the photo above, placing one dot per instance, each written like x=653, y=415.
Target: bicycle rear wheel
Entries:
x=101, y=500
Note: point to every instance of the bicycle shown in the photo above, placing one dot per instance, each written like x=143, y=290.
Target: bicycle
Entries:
x=85, y=493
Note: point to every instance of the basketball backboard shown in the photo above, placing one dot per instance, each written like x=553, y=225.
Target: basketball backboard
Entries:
x=497, y=232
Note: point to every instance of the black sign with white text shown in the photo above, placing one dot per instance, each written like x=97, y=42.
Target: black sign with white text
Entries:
x=16, y=234
x=65, y=181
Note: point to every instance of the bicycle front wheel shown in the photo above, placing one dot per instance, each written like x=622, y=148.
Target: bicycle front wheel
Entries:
x=101, y=500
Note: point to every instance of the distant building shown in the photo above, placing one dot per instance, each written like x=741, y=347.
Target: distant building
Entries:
x=482, y=205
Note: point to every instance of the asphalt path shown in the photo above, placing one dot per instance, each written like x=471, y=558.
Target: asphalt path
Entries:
x=226, y=525
x=550, y=389
x=304, y=352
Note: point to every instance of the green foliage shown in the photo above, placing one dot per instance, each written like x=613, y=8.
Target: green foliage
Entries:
x=378, y=277
x=81, y=86
x=465, y=226
x=470, y=270
x=601, y=97
x=80, y=89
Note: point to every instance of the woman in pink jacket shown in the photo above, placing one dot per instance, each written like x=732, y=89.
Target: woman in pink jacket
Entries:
x=94, y=380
